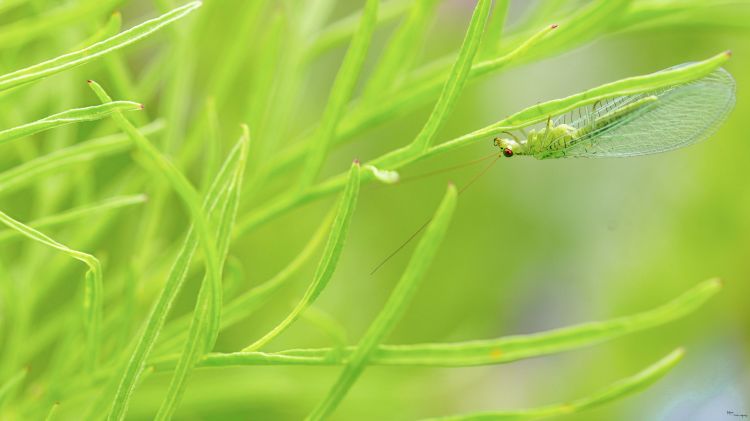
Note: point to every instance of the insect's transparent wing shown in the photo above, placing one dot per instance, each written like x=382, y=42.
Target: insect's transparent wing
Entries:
x=682, y=115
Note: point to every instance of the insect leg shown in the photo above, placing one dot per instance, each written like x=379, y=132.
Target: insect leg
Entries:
x=511, y=135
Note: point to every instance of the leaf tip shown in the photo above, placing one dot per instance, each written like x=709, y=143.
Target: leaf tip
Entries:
x=675, y=356
x=554, y=26
x=245, y=132
x=728, y=53
x=89, y=81
x=141, y=106
x=356, y=162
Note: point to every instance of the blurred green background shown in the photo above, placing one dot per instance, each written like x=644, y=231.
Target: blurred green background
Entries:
x=534, y=245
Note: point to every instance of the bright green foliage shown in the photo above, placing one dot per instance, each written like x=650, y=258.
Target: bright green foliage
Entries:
x=215, y=268
x=67, y=117
x=329, y=260
x=92, y=296
x=617, y=390
x=482, y=352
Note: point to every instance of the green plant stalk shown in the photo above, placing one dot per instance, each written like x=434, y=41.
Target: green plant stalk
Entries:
x=155, y=321
x=482, y=352
x=495, y=28
x=162, y=167
x=587, y=23
x=92, y=297
x=10, y=4
x=21, y=32
x=621, y=389
x=9, y=386
x=339, y=32
x=328, y=325
x=67, y=61
x=329, y=260
x=247, y=303
x=77, y=213
x=230, y=65
x=14, y=323
x=423, y=87
x=341, y=93
x=399, y=52
x=456, y=79
x=76, y=115
x=52, y=412
x=198, y=341
x=394, y=308
x=30, y=171
x=273, y=69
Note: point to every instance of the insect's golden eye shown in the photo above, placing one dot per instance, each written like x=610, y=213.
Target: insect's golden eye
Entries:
x=507, y=152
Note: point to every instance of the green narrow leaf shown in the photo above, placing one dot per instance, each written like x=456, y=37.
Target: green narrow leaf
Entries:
x=162, y=167
x=109, y=29
x=227, y=68
x=200, y=342
x=621, y=389
x=67, y=61
x=341, y=92
x=628, y=86
x=30, y=171
x=518, y=347
x=425, y=88
x=7, y=388
x=456, y=79
x=52, y=412
x=247, y=303
x=501, y=350
x=329, y=260
x=422, y=88
x=394, y=308
x=495, y=28
x=400, y=51
x=421, y=142
x=339, y=32
x=92, y=297
x=20, y=32
x=75, y=115
x=328, y=325
x=587, y=23
x=215, y=197
x=78, y=213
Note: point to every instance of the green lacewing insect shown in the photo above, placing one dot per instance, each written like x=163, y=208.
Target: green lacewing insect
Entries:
x=647, y=123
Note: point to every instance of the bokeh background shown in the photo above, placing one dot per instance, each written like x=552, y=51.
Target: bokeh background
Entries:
x=534, y=245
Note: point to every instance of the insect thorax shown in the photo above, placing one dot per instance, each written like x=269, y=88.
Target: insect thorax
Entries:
x=550, y=141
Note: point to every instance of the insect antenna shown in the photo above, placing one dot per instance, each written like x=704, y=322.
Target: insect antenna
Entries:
x=447, y=169
x=424, y=225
